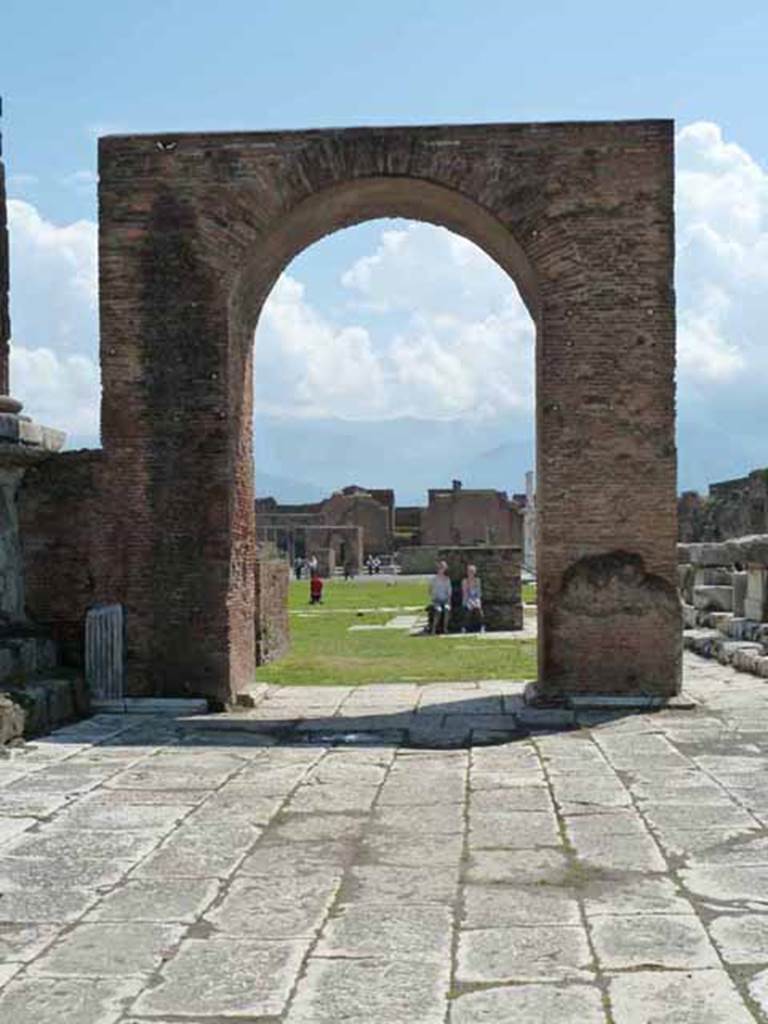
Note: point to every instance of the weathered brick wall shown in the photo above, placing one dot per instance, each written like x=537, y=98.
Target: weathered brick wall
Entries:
x=470, y=517
x=691, y=517
x=365, y=511
x=408, y=518
x=273, y=634
x=70, y=560
x=194, y=231
x=383, y=495
x=301, y=526
x=417, y=558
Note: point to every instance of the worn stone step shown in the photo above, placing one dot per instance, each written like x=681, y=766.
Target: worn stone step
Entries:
x=172, y=706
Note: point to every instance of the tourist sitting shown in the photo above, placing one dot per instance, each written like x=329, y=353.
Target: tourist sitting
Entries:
x=315, y=588
x=440, y=600
x=471, y=601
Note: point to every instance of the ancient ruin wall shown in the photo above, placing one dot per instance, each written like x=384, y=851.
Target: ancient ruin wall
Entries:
x=70, y=562
x=470, y=517
x=194, y=231
x=364, y=511
x=273, y=634
x=733, y=508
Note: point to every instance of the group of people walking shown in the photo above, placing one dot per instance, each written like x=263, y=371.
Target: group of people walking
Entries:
x=441, y=601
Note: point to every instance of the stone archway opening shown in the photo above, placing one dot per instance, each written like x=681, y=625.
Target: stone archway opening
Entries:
x=317, y=221
x=195, y=230
x=390, y=354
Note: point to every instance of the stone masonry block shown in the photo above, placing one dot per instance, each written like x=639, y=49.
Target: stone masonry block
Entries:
x=752, y=550
x=688, y=553
x=739, y=583
x=686, y=575
x=713, y=598
x=756, y=599
x=712, y=577
x=710, y=554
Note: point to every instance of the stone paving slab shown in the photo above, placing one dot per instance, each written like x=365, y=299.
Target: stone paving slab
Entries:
x=561, y=1004
x=586, y=867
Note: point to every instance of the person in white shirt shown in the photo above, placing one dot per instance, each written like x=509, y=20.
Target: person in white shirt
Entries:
x=440, y=600
x=471, y=601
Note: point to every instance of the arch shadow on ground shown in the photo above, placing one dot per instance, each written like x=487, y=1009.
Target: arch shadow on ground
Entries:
x=453, y=724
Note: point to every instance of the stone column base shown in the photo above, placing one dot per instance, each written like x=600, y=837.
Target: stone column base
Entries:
x=535, y=698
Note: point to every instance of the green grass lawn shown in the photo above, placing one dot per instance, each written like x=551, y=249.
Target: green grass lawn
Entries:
x=323, y=651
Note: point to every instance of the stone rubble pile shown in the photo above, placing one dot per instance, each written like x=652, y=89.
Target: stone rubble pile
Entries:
x=724, y=589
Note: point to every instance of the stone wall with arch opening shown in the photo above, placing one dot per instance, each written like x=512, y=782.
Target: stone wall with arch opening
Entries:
x=194, y=231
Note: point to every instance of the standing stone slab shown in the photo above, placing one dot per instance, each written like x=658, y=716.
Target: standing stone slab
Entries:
x=756, y=600
x=105, y=652
x=739, y=582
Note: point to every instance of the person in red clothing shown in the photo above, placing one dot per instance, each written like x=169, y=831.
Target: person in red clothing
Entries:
x=315, y=588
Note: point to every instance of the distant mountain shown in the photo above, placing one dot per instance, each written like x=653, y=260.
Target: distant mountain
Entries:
x=503, y=467
x=286, y=490
x=406, y=454
x=304, y=460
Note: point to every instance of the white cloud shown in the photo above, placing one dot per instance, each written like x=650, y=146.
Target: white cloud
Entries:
x=59, y=391
x=54, y=295
x=722, y=254
x=453, y=339
x=54, y=280
x=306, y=366
x=428, y=269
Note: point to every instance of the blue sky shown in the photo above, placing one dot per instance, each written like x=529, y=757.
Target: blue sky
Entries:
x=73, y=71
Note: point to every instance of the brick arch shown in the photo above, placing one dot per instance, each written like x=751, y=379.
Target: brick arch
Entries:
x=194, y=230
x=356, y=200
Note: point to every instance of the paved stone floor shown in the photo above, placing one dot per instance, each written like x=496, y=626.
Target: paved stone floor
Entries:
x=609, y=869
